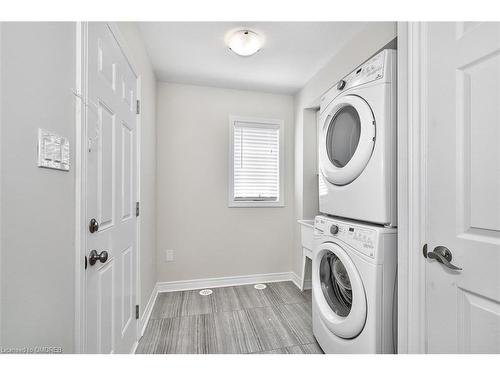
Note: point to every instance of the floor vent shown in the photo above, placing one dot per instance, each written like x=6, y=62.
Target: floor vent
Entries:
x=206, y=292
x=260, y=286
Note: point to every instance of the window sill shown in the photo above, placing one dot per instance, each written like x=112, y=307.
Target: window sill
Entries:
x=250, y=204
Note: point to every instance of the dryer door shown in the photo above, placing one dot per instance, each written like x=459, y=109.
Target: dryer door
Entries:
x=347, y=139
x=338, y=291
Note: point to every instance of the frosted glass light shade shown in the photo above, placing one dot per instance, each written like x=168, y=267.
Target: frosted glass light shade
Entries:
x=244, y=42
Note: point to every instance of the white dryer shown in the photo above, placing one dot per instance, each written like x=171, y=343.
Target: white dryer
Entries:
x=357, y=144
x=354, y=286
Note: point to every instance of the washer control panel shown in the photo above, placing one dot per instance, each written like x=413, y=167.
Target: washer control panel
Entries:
x=360, y=238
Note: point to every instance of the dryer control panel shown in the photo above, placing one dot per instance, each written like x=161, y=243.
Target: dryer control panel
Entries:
x=360, y=238
x=380, y=68
x=370, y=71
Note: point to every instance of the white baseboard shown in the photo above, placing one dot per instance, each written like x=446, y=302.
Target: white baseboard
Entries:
x=176, y=286
x=134, y=347
x=146, y=314
x=298, y=281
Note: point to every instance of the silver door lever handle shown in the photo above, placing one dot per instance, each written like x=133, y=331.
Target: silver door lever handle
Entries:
x=443, y=255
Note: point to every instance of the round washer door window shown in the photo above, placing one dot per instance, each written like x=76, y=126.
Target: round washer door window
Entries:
x=348, y=139
x=338, y=290
x=335, y=284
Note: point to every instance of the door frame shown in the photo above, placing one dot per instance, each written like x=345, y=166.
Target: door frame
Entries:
x=81, y=92
x=412, y=185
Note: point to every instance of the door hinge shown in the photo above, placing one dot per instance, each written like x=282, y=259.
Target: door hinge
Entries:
x=137, y=209
x=137, y=311
x=138, y=107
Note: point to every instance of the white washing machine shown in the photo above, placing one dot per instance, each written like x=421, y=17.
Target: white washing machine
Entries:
x=357, y=144
x=354, y=286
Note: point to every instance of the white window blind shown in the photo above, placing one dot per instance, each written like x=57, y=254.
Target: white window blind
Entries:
x=256, y=164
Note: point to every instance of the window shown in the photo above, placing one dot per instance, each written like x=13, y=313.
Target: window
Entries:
x=255, y=162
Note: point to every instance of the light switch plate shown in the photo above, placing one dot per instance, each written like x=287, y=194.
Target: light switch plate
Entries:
x=169, y=256
x=53, y=151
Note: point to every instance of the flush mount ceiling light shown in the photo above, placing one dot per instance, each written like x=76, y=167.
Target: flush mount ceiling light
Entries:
x=244, y=42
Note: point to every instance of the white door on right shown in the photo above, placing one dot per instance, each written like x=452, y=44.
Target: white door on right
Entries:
x=463, y=187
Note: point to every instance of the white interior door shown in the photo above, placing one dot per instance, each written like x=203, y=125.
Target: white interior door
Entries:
x=111, y=195
x=463, y=177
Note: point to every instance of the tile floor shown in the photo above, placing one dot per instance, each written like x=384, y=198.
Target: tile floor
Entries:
x=232, y=320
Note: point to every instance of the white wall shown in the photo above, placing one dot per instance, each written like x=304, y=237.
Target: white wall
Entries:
x=210, y=239
x=136, y=46
x=375, y=36
x=37, y=205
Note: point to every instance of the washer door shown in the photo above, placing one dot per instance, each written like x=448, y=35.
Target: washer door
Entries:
x=347, y=139
x=338, y=291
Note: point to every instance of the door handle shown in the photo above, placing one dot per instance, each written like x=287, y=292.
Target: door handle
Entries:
x=443, y=255
x=94, y=257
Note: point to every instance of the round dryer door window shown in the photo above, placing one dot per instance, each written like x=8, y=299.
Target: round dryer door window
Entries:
x=348, y=139
x=342, y=136
x=339, y=292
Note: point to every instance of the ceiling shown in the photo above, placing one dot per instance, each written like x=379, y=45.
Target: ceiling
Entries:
x=195, y=53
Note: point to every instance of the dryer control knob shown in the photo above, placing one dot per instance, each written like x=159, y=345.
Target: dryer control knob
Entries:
x=334, y=229
x=341, y=84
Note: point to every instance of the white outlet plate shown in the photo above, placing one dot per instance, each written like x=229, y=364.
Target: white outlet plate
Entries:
x=169, y=256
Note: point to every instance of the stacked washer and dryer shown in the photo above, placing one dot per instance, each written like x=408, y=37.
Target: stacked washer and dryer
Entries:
x=355, y=253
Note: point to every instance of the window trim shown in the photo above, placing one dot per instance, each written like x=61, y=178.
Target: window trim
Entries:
x=264, y=122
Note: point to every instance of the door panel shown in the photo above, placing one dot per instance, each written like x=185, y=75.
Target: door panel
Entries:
x=111, y=194
x=463, y=181
x=106, y=165
x=127, y=288
x=127, y=171
x=479, y=90
x=478, y=323
x=105, y=318
x=105, y=63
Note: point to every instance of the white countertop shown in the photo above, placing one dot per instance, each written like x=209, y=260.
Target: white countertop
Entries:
x=306, y=222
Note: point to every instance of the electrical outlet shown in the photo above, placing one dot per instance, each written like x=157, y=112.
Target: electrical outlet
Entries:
x=169, y=256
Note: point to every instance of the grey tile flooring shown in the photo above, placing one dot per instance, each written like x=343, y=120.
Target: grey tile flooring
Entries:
x=298, y=349
x=169, y=305
x=235, y=333
x=232, y=320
